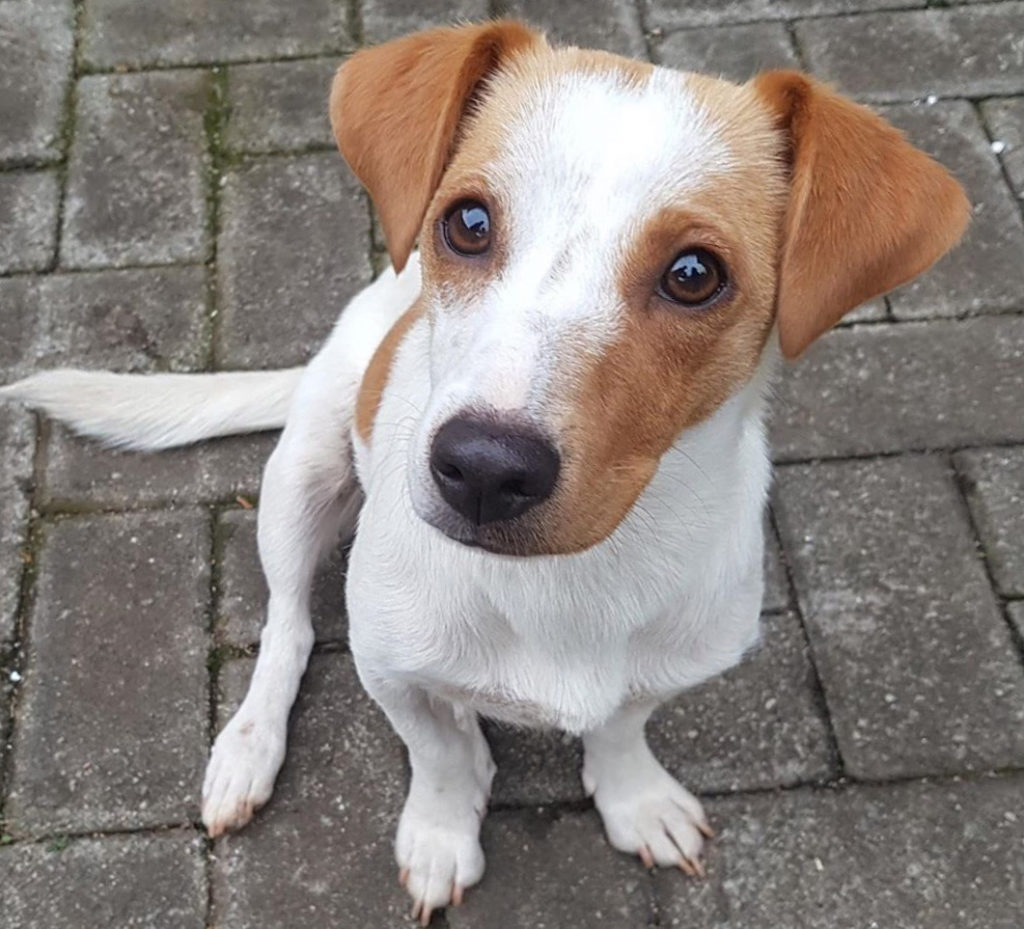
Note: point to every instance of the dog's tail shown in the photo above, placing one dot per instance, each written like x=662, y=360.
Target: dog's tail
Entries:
x=155, y=411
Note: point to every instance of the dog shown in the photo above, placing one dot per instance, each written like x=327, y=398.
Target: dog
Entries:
x=549, y=421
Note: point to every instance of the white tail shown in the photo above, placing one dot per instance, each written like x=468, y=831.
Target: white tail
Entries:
x=154, y=411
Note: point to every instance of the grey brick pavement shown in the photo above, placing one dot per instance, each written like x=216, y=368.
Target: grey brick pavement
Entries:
x=170, y=200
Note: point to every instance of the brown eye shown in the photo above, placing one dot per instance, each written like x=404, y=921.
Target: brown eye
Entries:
x=694, y=278
x=467, y=228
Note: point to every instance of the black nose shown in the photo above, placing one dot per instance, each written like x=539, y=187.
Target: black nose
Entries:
x=490, y=472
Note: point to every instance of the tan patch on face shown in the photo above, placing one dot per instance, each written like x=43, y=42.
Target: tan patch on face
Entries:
x=672, y=367
x=375, y=379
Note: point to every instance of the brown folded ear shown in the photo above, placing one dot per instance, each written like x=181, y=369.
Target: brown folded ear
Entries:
x=867, y=211
x=395, y=110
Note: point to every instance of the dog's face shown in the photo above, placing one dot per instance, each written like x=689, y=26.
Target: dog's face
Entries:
x=605, y=247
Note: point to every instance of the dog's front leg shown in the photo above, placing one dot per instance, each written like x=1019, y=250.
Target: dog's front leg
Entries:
x=308, y=493
x=646, y=812
x=438, y=842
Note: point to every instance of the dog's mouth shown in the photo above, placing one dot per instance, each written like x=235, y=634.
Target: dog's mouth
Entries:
x=518, y=538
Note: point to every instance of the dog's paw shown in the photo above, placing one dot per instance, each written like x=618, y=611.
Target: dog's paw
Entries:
x=438, y=851
x=646, y=812
x=240, y=775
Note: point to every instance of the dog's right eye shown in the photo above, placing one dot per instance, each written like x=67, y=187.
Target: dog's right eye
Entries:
x=467, y=228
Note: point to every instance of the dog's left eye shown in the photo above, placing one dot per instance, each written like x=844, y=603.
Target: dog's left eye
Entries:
x=694, y=278
x=467, y=228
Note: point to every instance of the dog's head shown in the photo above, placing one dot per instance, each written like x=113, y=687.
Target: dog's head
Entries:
x=606, y=249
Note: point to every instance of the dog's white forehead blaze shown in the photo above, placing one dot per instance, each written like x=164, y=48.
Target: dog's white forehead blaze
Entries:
x=586, y=158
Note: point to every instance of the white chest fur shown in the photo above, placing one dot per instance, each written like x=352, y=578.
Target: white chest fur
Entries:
x=670, y=599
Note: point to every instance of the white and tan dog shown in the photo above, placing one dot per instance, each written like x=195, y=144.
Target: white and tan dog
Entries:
x=554, y=411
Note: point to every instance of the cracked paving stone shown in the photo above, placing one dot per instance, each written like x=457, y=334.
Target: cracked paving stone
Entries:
x=613, y=25
x=137, y=881
x=28, y=216
x=128, y=320
x=137, y=173
x=984, y=272
x=733, y=52
x=35, y=71
x=243, y=589
x=142, y=33
x=910, y=55
x=113, y=716
x=918, y=669
x=906, y=856
x=995, y=492
x=294, y=248
x=279, y=106
x=547, y=871
x=886, y=388
x=332, y=816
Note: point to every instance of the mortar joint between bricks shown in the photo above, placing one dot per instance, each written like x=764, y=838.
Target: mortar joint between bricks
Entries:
x=838, y=763
x=961, y=480
x=214, y=122
x=1000, y=160
x=14, y=655
x=68, y=124
x=646, y=32
x=355, y=23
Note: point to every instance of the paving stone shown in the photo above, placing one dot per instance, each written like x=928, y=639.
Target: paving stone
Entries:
x=1005, y=120
x=81, y=474
x=137, y=175
x=757, y=726
x=138, y=881
x=918, y=669
x=320, y=853
x=908, y=55
x=945, y=856
x=874, y=389
x=17, y=327
x=548, y=871
x=535, y=766
x=387, y=19
x=16, y=446
x=671, y=14
x=125, y=319
x=733, y=52
x=995, y=492
x=613, y=25
x=985, y=272
x=243, y=590
x=279, y=106
x=127, y=32
x=28, y=216
x=113, y=716
x=294, y=248
x=35, y=70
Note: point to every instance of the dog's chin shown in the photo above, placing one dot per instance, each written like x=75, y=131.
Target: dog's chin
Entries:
x=515, y=539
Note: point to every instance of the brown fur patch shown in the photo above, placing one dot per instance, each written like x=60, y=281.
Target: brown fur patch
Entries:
x=867, y=210
x=672, y=367
x=375, y=380
x=395, y=110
